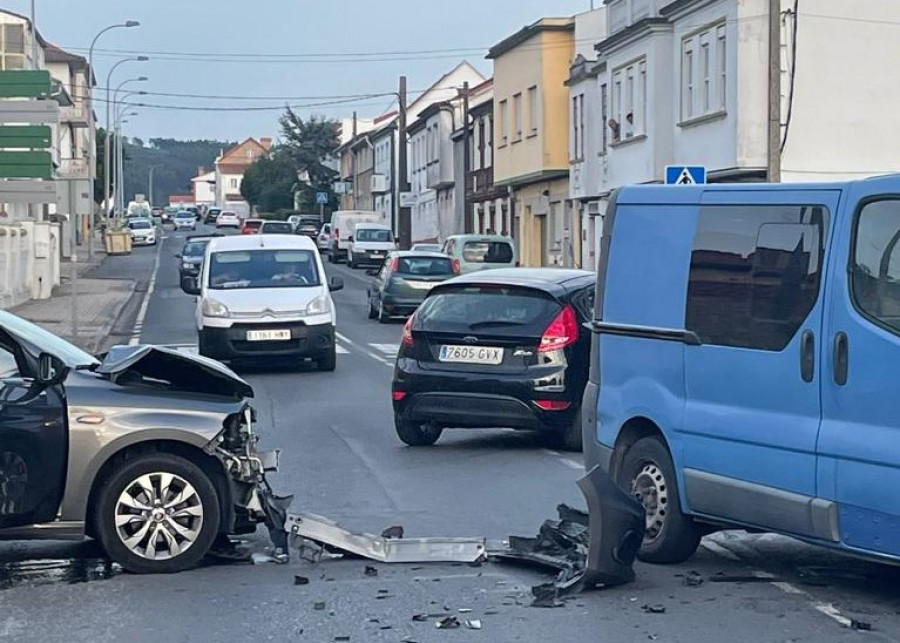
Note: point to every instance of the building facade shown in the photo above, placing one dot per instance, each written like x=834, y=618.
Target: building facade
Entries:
x=231, y=165
x=204, y=187
x=531, y=121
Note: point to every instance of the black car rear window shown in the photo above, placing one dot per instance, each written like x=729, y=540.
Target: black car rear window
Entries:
x=470, y=308
x=276, y=227
x=487, y=252
x=425, y=266
x=194, y=249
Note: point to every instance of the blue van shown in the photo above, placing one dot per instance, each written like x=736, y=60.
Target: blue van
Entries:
x=745, y=367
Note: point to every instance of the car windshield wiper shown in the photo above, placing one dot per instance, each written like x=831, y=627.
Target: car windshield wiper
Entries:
x=495, y=322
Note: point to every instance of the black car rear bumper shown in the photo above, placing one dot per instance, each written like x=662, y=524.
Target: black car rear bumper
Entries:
x=231, y=343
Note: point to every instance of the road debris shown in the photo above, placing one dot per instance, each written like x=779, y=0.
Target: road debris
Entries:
x=447, y=623
x=693, y=579
x=419, y=618
x=319, y=606
x=545, y=595
x=392, y=532
x=729, y=578
x=861, y=626
x=654, y=609
x=370, y=571
x=301, y=580
x=474, y=624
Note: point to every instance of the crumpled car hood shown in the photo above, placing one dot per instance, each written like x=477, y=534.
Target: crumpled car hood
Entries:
x=189, y=373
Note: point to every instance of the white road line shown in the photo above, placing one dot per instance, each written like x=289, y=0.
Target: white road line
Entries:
x=378, y=358
x=572, y=464
x=142, y=312
x=387, y=349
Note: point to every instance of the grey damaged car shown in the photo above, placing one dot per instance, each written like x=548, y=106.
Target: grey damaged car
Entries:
x=150, y=451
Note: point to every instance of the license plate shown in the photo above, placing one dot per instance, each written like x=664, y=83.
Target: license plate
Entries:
x=421, y=285
x=377, y=255
x=268, y=335
x=471, y=354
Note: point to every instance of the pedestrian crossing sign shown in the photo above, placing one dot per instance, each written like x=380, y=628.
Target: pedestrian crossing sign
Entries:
x=685, y=175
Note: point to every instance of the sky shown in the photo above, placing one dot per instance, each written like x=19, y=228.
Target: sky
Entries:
x=265, y=53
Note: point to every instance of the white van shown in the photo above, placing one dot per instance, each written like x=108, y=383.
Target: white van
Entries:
x=265, y=295
x=370, y=244
x=342, y=224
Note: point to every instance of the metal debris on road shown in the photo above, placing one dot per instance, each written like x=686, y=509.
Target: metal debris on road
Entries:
x=474, y=624
x=545, y=595
x=693, y=579
x=393, y=532
x=654, y=609
x=419, y=618
x=301, y=580
x=447, y=623
x=861, y=626
x=370, y=571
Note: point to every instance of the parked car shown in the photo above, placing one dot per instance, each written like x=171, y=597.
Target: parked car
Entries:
x=149, y=450
x=228, y=219
x=403, y=281
x=472, y=252
x=251, y=226
x=324, y=237
x=191, y=256
x=496, y=348
x=427, y=247
x=265, y=296
x=211, y=215
x=143, y=232
x=342, y=224
x=276, y=227
x=753, y=380
x=184, y=220
x=369, y=244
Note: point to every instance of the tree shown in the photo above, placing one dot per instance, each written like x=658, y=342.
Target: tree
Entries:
x=308, y=143
x=268, y=183
x=100, y=171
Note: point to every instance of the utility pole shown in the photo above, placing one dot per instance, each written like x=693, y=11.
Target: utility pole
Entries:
x=353, y=160
x=403, y=214
x=468, y=223
x=150, y=191
x=773, y=173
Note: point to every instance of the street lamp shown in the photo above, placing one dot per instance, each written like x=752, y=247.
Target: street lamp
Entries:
x=113, y=150
x=92, y=170
x=106, y=158
x=120, y=158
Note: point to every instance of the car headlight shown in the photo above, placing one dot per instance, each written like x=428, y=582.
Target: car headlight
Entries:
x=187, y=266
x=213, y=308
x=318, y=306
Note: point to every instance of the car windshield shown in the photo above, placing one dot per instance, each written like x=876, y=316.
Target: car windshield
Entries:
x=277, y=227
x=39, y=341
x=426, y=247
x=140, y=224
x=464, y=308
x=374, y=234
x=184, y=215
x=194, y=249
x=425, y=266
x=263, y=269
x=252, y=224
x=487, y=252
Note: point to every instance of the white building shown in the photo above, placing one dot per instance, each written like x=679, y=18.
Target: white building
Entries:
x=204, y=187
x=230, y=167
x=384, y=181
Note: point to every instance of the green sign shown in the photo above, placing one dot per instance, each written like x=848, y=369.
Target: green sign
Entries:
x=26, y=165
x=36, y=137
x=25, y=83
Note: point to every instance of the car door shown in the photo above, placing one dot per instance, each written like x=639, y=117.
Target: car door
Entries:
x=752, y=383
x=33, y=443
x=381, y=278
x=859, y=447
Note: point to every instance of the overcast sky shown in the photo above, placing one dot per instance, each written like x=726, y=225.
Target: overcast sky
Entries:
x=253, y=40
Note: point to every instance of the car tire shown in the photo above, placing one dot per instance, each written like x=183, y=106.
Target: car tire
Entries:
x=383, y=318
x=373, y=313
x=569, y=438
x=124, y=488
x=671, y=537
x=415, y=434
x=328, y=363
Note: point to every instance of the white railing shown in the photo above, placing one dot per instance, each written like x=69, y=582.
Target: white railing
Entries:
x=16, y=261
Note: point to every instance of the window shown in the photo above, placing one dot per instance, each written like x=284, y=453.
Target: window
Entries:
x=704, y=73
x=629, y=101
x=533, y=107
x=12, y=48
x=479, y=137
x=755, y=274
x=504, y=122
x=517, y=117
x=234, y=183
x=687, y=74
x=263, y=269
x=578, y=127
x=604, y=117
x=721, y=63
x=876, y=263
x=487, y=252
x=9, y=366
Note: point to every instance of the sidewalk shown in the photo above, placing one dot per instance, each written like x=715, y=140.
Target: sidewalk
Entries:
x=97, y=305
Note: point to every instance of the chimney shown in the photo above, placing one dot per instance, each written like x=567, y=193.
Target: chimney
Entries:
x=266, y=143
x=201, y=171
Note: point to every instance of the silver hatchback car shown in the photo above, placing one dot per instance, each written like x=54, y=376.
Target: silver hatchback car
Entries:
x=149, y=450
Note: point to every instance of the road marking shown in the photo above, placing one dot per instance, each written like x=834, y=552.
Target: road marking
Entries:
x=388, y=349
x=572, y=464
x=366, y=351
x=142, y=311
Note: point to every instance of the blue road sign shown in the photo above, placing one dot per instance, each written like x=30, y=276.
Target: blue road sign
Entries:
x=322, y=198
x=685, y=175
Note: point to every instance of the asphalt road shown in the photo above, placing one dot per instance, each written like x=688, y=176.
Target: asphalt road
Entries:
x=341, y=459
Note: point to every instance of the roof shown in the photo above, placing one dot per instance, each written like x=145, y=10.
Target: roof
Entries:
x=526, y=33
x=209, y=176
x=259, y=241
x=554, y=281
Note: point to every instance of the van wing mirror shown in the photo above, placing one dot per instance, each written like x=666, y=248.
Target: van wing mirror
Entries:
x=190, y=286
x=51, y=370
x=336, y=283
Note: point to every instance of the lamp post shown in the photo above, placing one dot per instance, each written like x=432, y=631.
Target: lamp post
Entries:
x=92, y=169
x=106, y=152
x=113, y=151
x=120, y=159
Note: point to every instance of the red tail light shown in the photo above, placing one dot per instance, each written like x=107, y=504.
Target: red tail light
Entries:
x=407, y=338
x=552, y=405
x=456, y=266
x=395, y=265
x=398, y=395
x=335, y=234
x=561, y=332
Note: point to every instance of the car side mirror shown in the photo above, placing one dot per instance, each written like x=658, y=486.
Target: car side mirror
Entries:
x=336, y=283
x=190, y=286
x=178, y=255
x=51, y=370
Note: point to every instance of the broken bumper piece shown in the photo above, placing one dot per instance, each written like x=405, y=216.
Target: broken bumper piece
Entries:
x=306, y=530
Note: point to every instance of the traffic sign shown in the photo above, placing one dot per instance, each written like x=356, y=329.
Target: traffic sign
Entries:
x=322, y=198
x=685, y=175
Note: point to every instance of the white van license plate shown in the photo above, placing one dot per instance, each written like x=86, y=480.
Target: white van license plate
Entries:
x=268, y=335
x=471, y=354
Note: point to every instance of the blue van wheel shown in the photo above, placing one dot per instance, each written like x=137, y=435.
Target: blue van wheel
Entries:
x=670, y=536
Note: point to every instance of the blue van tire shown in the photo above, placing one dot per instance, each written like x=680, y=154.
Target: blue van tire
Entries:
x=671, y=537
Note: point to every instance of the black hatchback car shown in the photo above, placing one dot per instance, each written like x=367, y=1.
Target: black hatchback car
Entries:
x=497, y=348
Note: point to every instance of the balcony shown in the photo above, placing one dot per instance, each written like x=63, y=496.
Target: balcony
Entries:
x=77, y=115
x=480, y=185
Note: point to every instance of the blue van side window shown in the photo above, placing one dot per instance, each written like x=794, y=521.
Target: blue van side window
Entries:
x=876, y=263
x=755, y=273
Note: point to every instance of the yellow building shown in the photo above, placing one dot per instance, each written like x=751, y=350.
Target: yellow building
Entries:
x=531, y=128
